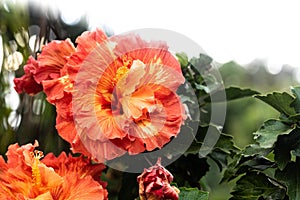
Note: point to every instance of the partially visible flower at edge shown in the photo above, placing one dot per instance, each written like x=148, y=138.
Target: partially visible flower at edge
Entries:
x=27, y=176
x=154, y=184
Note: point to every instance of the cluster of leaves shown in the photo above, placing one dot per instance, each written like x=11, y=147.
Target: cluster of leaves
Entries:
x=219, y=147
x=270, y=168
x=267, y=169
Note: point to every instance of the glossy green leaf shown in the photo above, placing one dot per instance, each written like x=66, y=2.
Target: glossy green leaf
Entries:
x=267, y=134
x=232, y=93
x=290, y=176
x=280, y=101
x=245, y=164
x=226, y=143
x=296, y=102
x=255, y=149
x=192, y=194
x=256, y=185
x=254, y=162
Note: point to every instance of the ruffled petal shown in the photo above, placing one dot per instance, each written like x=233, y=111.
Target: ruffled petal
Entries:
x=52, y=59
x=57, y=178
x=150, y=103
x=27, y=83
x=64, y=165
x=154, y=183
x=76, y=188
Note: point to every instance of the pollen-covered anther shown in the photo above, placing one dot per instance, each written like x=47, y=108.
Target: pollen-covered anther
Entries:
x=121, y=72
x=36, y=176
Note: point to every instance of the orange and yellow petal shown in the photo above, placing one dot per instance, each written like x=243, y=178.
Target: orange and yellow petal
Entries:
x=76, y=188
x=64, y=164
x=69, y=178
x=88, y=40
x=52, y=59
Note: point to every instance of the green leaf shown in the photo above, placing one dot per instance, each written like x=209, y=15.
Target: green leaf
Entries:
x=202, y=63
x=290, y=176
x=268, y=133
x=295, y=118
x=230, y=172
x=183, y=59
x=280, y=101
x=245, y=164
x=220, y=157
x=255, y=185
x=255, y=149
x=253, y=162
x=226, y=143
x=232, y=93
x=283, y=147
x=250, y=158
x=296, y=102
x=192, y=194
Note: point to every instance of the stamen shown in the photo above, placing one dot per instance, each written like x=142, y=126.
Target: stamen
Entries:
x=121, y=72
x=36, y=176
x=127, y=62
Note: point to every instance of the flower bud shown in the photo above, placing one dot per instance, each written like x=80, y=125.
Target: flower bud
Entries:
x=154, y=184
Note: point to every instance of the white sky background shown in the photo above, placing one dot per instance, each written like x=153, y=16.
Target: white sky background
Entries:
x=239, y=30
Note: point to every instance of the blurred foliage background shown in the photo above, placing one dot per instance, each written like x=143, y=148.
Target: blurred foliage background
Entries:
x=25, y=27
x=245, y=116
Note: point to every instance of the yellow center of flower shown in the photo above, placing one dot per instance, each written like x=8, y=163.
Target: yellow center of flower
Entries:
x=121, y=72
x=36, y=176
x=127, y=62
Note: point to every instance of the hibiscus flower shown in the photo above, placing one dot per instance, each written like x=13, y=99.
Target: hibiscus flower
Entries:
x=129, y=89
x=26, y=176
x=47, y=67
x=114, y=95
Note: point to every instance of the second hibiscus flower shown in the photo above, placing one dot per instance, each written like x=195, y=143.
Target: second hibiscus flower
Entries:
x=116, y=95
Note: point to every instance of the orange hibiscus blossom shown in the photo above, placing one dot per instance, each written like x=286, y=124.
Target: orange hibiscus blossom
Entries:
x=47, y=67
x=115, y=95
x=25, y=176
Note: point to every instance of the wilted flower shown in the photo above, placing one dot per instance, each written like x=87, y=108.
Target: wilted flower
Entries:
x=26, y=176
x=154, y=184
x=112, y=95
